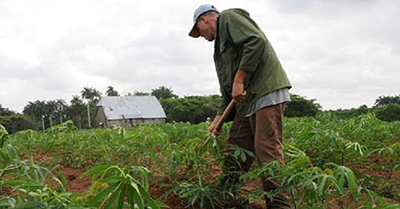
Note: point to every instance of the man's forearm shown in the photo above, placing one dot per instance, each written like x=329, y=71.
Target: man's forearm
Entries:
x=238, y=92
x=240, y=76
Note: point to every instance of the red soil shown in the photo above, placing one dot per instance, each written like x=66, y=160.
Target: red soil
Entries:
x=78, y=184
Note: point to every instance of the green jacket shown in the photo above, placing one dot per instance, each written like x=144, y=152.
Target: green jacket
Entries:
x=240, y=44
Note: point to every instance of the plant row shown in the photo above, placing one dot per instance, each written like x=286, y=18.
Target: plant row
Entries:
x=324, y=156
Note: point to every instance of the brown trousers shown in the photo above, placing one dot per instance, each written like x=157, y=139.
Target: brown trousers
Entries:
x=261, y=134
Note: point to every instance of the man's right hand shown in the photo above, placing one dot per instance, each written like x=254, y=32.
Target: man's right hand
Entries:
x=212, y=129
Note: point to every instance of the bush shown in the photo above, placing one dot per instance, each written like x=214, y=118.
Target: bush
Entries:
x=5, y=111
x=353, y=112
x=300, y=106
x=390, y=113
x=17, y=122
x=193, y=109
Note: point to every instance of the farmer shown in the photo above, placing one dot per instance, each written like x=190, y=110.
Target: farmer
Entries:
x=249, y=72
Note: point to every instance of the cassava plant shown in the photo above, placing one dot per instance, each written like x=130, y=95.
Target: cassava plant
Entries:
x=26, y=184
x=123, y=184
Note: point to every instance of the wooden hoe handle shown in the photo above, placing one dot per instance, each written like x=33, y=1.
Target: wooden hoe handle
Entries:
x=225, y=114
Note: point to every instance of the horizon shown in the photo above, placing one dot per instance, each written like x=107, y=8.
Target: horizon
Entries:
x=343, y=54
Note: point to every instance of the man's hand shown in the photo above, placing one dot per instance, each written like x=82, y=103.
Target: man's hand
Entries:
x=238, y=92
x=212, y=129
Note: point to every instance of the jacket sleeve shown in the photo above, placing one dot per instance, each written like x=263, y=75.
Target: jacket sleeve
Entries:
x=224, y=101
x=244, y=33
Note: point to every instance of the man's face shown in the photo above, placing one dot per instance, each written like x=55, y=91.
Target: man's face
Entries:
x=206, y=27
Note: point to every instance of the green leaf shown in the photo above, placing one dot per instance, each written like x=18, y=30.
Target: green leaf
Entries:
x=27, y=205
x=243, y=156
x=100, y=196
x=237, y=153
x=113, y=196
x=62, y=182
x=153, y=204
x=136, y=194
x=97, y=170
x=121, y=197
x=323, y=183
x=13, y=183
x=111, y=179
x=111, y=169
x=4, y=158
x=130, y=198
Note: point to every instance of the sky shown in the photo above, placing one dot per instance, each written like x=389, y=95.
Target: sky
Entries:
x=343, y=54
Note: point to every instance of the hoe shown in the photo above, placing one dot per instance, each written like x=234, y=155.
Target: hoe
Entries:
x=221, y=120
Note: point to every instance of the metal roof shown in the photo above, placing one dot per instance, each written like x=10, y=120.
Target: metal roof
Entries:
x=131, y=107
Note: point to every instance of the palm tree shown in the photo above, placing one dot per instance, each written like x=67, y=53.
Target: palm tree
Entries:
x=163, y=92
x=51, y=109
x=385, y=100
x=96, y=96
x=29, y=109
x=88, y=95
x=91, y=95
x=111, y=91
x=37, y=110
x=61, y=105
x=76, y=109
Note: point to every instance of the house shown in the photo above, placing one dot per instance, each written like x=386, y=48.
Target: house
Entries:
x=126, y=111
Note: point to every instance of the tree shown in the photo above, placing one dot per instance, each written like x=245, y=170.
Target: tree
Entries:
x=40, y=110
x=37, y=110
x=138, y=93
x=17, y=122
x=76, y=110
x=51, y=107
x=385, y=100
x=6, y=111
x=61, y=106
x=111, y=91
x=390, y=113
x=92, y=96
x=163, y=92
x=300, y=106
x=193, y=109
x=14, y=122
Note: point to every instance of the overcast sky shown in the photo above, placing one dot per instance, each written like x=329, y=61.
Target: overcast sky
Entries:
x=342, y=53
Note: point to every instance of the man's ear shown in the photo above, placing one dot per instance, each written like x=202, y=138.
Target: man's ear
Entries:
x=202, y=18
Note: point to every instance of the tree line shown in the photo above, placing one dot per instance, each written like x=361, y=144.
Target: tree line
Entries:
x=39, y=115
x=386, y=108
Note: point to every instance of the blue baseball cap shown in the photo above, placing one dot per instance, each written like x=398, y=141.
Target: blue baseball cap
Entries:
x=199, y=11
